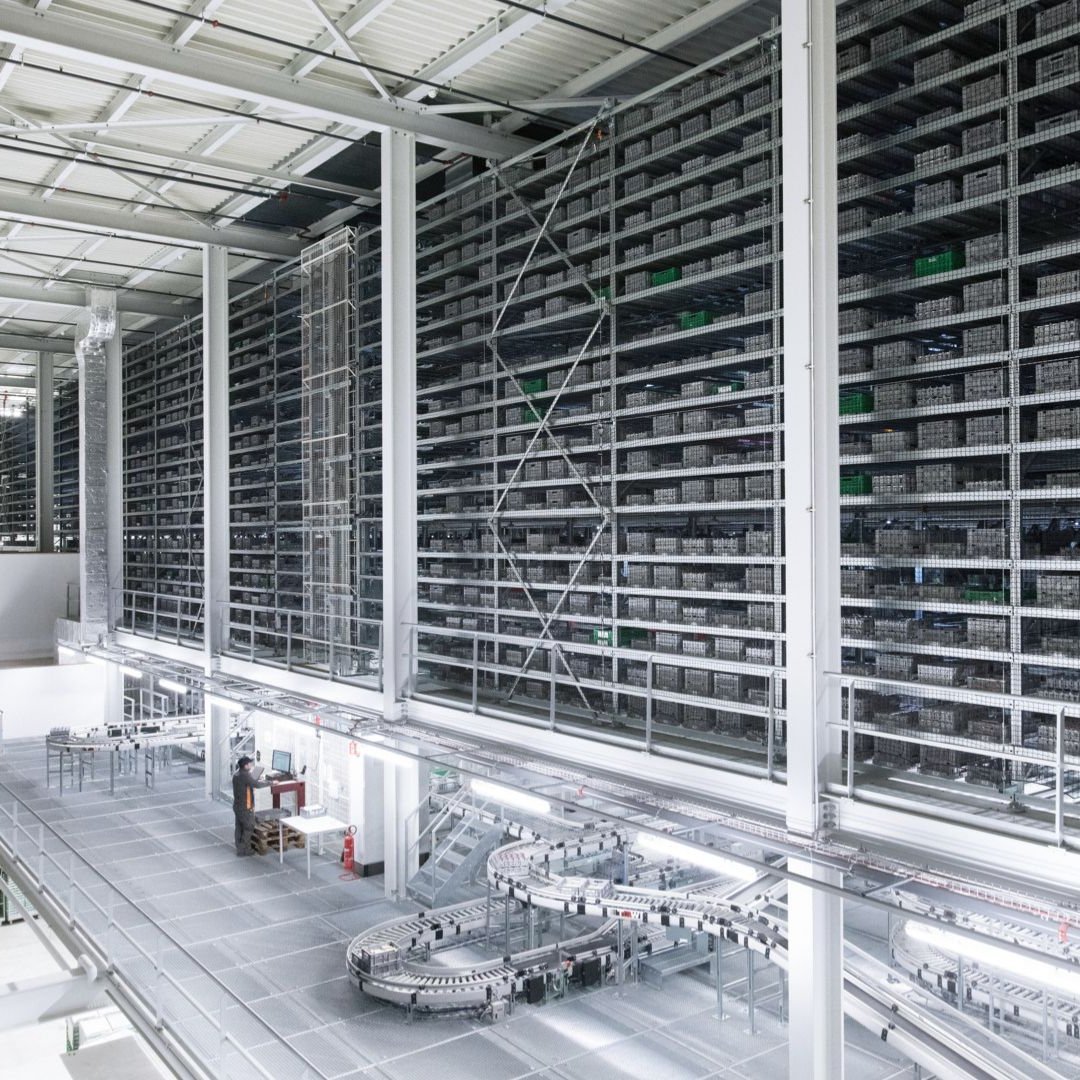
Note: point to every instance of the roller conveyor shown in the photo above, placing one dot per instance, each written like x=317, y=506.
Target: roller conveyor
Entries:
x=137, y=735
x=383, y=961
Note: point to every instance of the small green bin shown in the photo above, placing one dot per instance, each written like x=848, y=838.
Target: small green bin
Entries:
x=941, y=263
x=859, y=484
x=691, y=320
x=666, y=277
x=861, y=401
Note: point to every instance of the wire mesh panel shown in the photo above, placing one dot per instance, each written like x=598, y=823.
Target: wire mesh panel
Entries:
x=329, y=362
x=367, y=434
x=960, y=396
x=163, y=485
x=600, y=476
x=66, y=466
x=18, y=472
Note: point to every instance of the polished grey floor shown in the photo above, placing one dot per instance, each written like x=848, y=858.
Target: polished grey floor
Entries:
x=262, y=949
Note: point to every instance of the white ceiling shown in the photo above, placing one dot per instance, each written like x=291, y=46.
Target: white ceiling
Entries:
x=206, y=155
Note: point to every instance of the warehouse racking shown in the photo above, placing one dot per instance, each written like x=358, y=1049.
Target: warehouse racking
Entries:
x=959, y=215
x=600, y=460
x=368, y=436
x=66, y=464
x=265, y=512
x=18, y=514
x=163, y=478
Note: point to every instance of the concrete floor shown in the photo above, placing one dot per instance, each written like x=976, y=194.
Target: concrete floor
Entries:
x=262, y=932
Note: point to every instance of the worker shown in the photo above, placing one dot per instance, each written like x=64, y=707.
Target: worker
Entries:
x=243, y=787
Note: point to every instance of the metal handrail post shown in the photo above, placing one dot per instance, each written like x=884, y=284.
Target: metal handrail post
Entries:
x=551, y=692
x=648, y=702
x=288, y=640
x=1059, y=795
x=251, y=635
x=475, y=669
x=850, y=686
x=382, y=664
x=770, y=735
x=413, y=649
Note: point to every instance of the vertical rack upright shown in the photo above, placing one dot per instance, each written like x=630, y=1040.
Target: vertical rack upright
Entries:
x=959, y=150
x=600, y=477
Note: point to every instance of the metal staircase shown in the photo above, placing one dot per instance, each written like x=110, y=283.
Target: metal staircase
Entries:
x=456, y=855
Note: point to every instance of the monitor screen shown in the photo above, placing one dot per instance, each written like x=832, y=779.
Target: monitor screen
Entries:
x=281, y=761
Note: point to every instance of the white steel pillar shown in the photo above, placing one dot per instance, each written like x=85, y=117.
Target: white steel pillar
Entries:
x=216, y=746
x=96, y=327
x=811, y=514
x=114, y=471
x=215, y=450
x=398, y=412
x=401, y=825
x=43, y=442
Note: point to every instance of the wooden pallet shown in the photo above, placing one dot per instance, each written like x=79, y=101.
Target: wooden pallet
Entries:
x=266, y=838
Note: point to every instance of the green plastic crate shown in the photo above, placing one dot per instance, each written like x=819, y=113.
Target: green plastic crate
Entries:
x=941, y=263
x=858, y=402
x=859, y=484
x=629, y=634
x=690, y=320
x=529, y=415
x=987, y=596
x=604, y=292
x=666, y=277
x=534, y=386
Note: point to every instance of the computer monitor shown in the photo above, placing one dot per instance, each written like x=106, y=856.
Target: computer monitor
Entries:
x=281, y=761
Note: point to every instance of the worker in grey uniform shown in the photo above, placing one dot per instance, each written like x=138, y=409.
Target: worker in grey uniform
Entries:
x=243, y=787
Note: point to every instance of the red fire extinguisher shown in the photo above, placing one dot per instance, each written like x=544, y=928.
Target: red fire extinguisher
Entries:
x=348, y=851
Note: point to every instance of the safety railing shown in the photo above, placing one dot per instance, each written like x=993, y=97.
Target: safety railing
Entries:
x=170, y=989
x=1056, y=761
x=277, y=637
x=162, y=616
x=468, y=661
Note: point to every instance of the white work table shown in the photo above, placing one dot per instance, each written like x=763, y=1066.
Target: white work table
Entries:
x=309, y=826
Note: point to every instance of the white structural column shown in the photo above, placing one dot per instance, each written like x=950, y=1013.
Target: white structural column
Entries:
x=43, y=442
x=217, y=764
x=811, y=514
x=398, y=412
x=114, y=470
x=401, y=825
x=95, y=327
x=215, y=450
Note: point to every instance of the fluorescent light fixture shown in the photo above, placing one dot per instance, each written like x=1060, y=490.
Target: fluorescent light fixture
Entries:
x=223, y=703
x=707, y=860
x=134, y=672
x=1043, y=972
x=173, y=685
x=508, y=796
x=375, y=746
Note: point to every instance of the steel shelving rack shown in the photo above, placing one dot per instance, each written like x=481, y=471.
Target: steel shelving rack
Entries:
x=959, y=203
x=600, y=485
x=18, y=511
x=265, y=512
x=368, y=437
x=66, y=465
x=163, y=478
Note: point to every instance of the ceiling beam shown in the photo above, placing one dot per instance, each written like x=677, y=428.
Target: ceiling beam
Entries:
x=37, y=344
x=492, y=36
x=17, y=382
x=617, y=65
x=154, y=225
x=230, y=165
x=69, y=296
x=106, y=47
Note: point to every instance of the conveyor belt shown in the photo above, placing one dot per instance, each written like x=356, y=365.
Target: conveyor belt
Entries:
x=136, y=735
x=384, y=961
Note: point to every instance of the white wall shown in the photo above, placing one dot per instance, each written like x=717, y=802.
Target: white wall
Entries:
x=35, y=699
x=33, y=595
